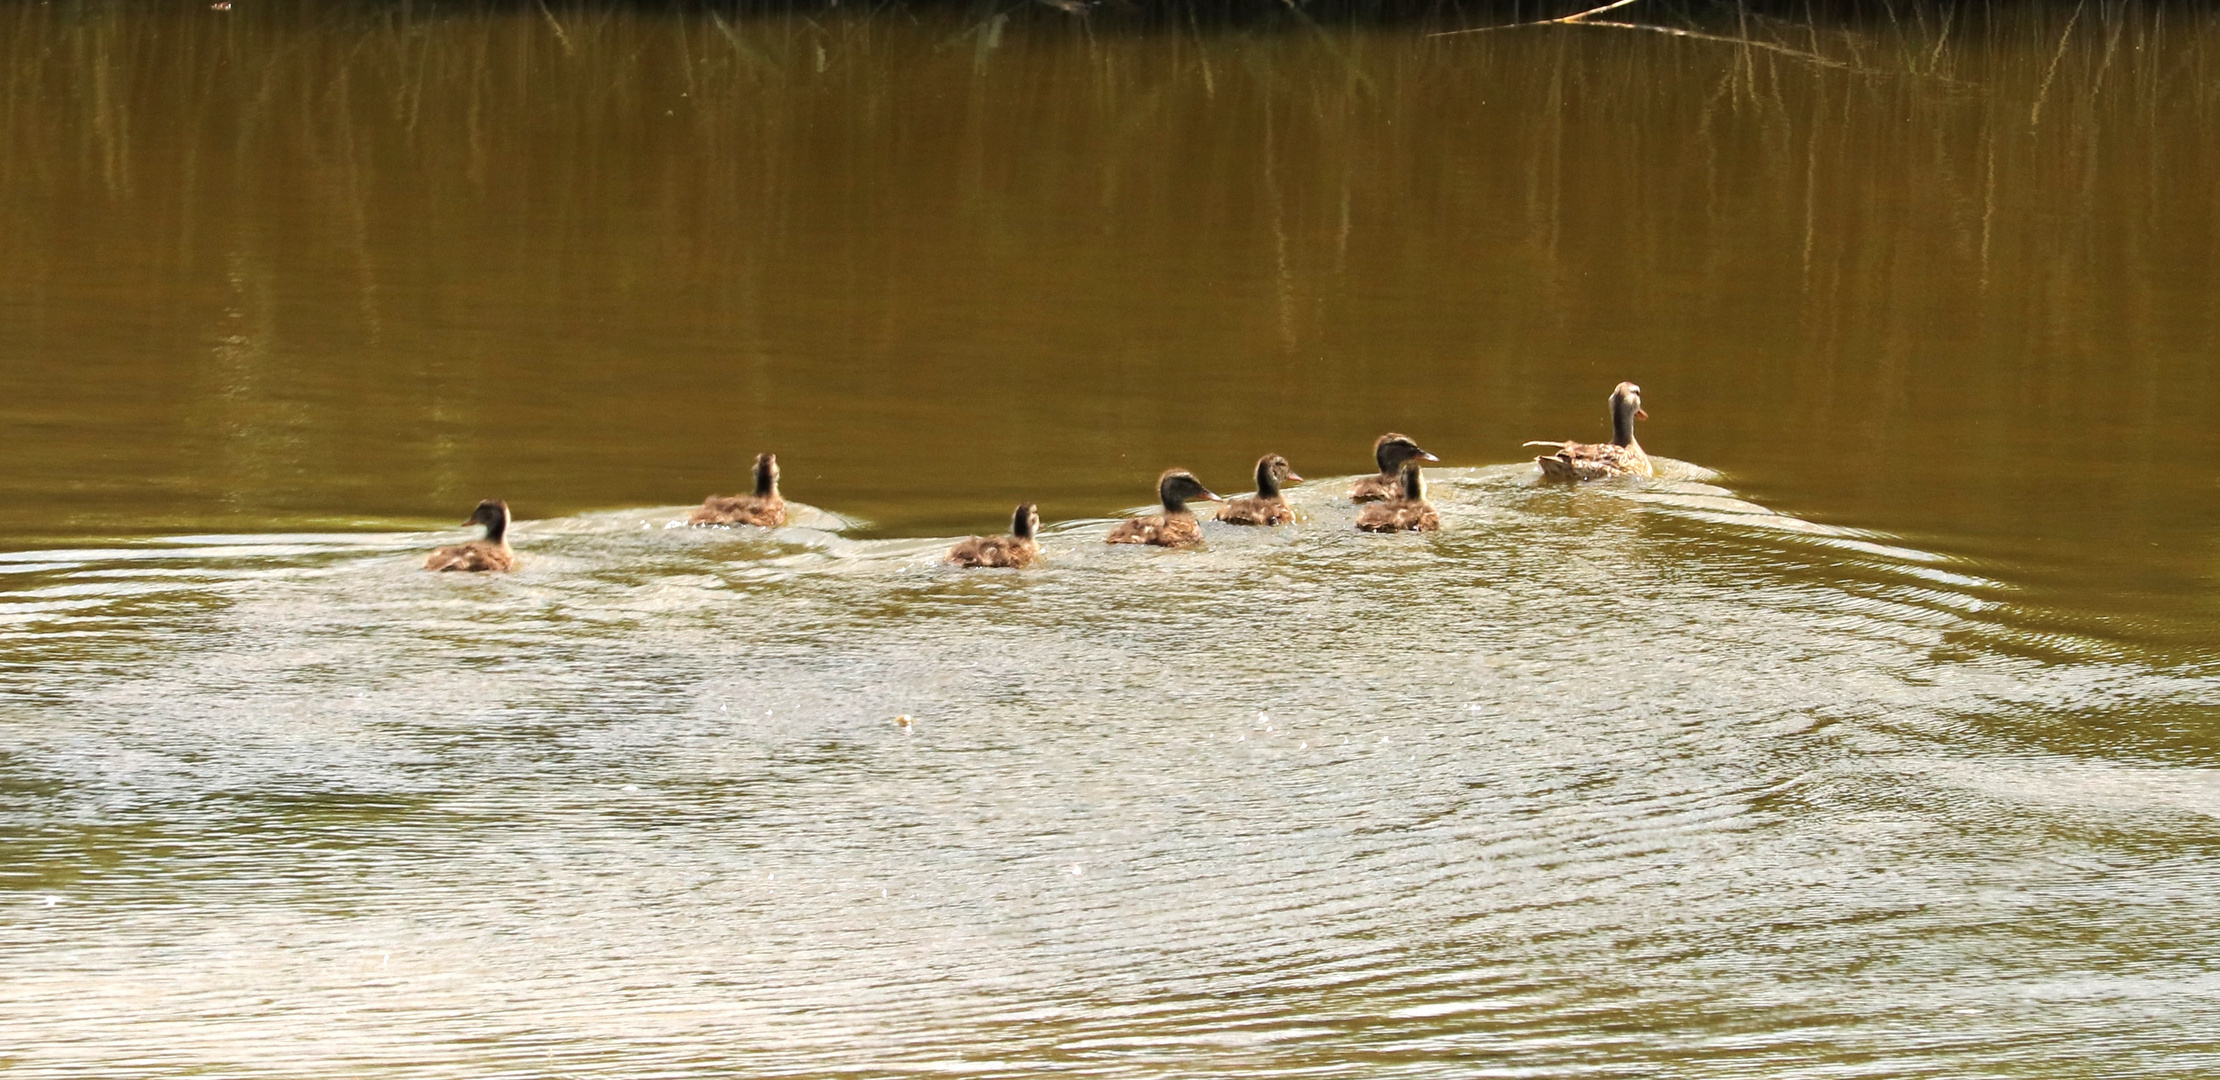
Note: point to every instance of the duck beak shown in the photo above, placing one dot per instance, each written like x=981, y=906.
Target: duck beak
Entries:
x=472, y=520
x=1641, y=413
x=1424, y=456
x=1294, y=479
x=1209, y=496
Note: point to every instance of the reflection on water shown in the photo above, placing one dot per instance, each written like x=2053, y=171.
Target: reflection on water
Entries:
x=292, y=267
x=1644, y=779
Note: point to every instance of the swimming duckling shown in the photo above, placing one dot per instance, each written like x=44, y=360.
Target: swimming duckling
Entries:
x=491, y=553
x=1017, y=549
x=1176, y=526
x=1266, y=507
x=1389, y=451
x=1622, y=456
x=1407, y=512
x=764, y=508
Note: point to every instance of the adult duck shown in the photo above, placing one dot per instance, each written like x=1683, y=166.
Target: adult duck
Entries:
x=1622, y=456
x=1017, y=549
x=1408, y=511
x=489, y=554
x=1389, y=452
x=1176, y=526
x=1267, y=506
x=765, y=507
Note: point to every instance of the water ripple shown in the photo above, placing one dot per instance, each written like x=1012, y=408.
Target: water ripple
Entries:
x=1638, y=780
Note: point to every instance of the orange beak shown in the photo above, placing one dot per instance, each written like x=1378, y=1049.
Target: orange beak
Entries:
x=1641, y=413
x=1294, y=479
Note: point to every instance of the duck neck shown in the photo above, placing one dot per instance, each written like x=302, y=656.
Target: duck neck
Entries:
x=1173, y=504
x=497, y=530
x=1021, y=525
x=766, y=482
x=1267, y=485
x=1414, y=489
x=1622, y=423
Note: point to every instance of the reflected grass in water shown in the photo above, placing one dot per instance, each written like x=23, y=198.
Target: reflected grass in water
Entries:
x=286, y=266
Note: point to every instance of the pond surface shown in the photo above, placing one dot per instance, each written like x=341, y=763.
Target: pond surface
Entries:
x=1876, y=737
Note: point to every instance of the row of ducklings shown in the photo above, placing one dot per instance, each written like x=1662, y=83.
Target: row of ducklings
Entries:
x=1395, y=500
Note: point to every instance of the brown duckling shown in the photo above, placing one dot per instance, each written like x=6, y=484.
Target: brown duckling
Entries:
x=1389, y=451
x=1407, y=512
x=1266, y=507
x=491, y=553
x=1017, y=549
x=1176, y=526
x=764, y=508
x=1622, y=456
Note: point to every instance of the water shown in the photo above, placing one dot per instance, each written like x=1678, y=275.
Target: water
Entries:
x=1876, y=737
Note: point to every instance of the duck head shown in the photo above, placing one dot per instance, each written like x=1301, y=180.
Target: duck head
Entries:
x=1414, y=486
x=1626, y=408
x=1273, y=470
x=494, y=515
x=766, y=475
x=1026, y=521
x=1177, y=486
x=1391, y=450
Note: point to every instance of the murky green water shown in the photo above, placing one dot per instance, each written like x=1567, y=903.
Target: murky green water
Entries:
x=1875, y=738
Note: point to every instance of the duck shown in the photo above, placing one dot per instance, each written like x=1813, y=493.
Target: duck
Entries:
x=1407, y=512
x=1622, y=456
x=1018, y=549
x=765, y=508
x=1175, y=527
x=491, y=553
x=1389, y=451
x=1266, y=507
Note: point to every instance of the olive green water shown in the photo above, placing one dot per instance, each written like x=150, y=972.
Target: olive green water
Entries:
x=1876, y=737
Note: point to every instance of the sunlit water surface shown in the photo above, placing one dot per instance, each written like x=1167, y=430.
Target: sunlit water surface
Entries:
x=1608, y=782
x=1641, y=780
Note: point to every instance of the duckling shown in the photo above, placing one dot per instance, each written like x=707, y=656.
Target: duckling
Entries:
x=1176, y=526
x=1017, y=549
x=1266, y=507
x=1407, y=512
x=1622, y=456
x=491, y=553
x=1389, y=451
x=764, y=508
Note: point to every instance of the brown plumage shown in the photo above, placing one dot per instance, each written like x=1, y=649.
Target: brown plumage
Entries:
x=491, y=553
x=1017, y=549
x=764, y=507
x=1407, y=512
x=1176, y=526
x=1266, y=507
x=1389, y=452
x=1622, y=456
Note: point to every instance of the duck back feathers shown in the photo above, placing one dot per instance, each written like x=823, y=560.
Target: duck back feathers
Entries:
x=764, y=507
x=1018, y=549
x=1407, y=512
x=1176, y=526
x=1622, y=456
x=491, y=554
x=1267, y=506
x=1389, y=452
